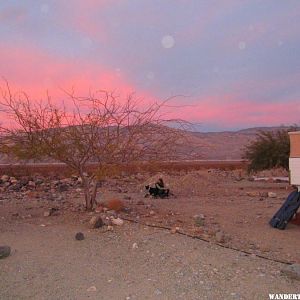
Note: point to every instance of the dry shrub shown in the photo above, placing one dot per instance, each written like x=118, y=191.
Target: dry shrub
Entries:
x=114, y=204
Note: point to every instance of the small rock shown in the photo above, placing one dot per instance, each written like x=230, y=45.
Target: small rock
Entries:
x=63, y=187
x=135, y=246
x=263, y=194
x=92, y=289
x=174, y=230
x=152, y=213
x=110, y=228
x=50, y=212
x=47, y=213
x=140, y=202
x=95, y=222
x=157, y=292
x=252, y=194
x=220, y=237
x=13, y=180
x=79, y=236
x=39, y=181
x=31, y=184
x=99, y=209
x=117, y=221
x=4, y=178
x=272, y=195
x=4, y=251
x=199, y=220
x=292, y=271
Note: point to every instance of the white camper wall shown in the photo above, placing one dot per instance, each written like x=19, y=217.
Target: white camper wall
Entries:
x=294, y=163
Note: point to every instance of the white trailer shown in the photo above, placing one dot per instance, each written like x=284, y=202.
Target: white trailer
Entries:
x=294, y=161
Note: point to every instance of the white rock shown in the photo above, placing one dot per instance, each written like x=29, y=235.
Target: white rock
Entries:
x=117, y=221
x=13, y=180
x=92, y=289
x=4, y=178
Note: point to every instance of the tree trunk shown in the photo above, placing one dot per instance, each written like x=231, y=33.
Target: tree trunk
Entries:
x=90, y=192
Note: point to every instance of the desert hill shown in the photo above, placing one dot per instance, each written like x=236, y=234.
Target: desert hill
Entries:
x=226, y=145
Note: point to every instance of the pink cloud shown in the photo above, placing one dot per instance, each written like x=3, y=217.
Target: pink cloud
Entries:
x=35, y=71
x=233, y=112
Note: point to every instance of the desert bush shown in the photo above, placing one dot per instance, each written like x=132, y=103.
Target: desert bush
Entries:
x=101, y=128
x=270, y=149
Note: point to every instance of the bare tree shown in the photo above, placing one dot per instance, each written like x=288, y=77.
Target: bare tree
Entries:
x=101, y=128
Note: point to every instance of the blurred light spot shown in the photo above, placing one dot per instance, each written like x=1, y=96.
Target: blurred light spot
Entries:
x=242, y=45
x=167, y=41
x=44, y=8
x=150, y=75
x=280, y=43
x=86, y=42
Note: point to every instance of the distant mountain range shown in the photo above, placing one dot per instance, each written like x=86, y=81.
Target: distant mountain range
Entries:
x=214, y=145
x=223, y=145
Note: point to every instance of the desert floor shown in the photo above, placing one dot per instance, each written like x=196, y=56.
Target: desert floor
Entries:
x=231, y=253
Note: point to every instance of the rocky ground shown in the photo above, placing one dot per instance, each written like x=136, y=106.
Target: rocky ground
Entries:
x=237, y=258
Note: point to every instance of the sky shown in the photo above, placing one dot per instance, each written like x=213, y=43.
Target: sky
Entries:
x=230, y=64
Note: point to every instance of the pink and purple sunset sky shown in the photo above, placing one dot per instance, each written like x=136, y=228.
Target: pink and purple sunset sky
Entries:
x=237, y=62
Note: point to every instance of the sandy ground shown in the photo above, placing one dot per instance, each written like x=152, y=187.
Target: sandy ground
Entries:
x=135, y=261
x=48, y=263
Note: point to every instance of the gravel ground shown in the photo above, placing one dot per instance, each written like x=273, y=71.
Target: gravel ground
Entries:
x=131, y=262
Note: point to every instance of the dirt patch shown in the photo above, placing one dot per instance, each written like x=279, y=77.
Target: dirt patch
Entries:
x=234, y=211
x=134, y=261
x=131, y=262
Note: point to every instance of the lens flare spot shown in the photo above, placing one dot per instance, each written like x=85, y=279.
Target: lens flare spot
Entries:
x=150, y=75
x=242, y=45
x=167, y=41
